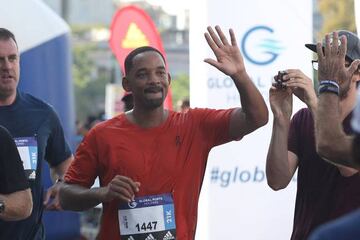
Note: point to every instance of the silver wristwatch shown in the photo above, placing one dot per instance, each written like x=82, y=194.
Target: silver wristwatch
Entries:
x=2, y=206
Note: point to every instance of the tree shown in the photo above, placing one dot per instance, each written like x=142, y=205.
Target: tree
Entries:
x=89, y=82
x=180, y=88
x=336, y=15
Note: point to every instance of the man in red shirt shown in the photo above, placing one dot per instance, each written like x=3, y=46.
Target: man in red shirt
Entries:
x=151, y=161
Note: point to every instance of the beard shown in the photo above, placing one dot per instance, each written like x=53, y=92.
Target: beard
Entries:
x=154, y=103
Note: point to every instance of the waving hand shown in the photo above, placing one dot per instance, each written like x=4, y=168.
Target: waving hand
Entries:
x=228, y=56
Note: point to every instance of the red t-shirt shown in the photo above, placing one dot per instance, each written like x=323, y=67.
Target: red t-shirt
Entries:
x=170, y=158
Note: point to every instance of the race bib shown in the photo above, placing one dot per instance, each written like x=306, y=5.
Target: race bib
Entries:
x=28, y=151
x=148, y=218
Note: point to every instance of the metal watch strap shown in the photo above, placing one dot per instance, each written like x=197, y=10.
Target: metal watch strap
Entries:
x=2, y=206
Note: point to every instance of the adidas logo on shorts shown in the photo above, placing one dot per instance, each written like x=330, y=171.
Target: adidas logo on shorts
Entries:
x=150, y=237
x=131, y=238
x=168, y=236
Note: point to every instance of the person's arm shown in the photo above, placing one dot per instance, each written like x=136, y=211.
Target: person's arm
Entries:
x=18, y=205
x=331, y=141
x=51, y=200
x=253, y=113
x=57, y=172
x=14, y=191
x=338, y=152
x=281, y=164
x=78, y=198
x=59, y=157
x=302, y=87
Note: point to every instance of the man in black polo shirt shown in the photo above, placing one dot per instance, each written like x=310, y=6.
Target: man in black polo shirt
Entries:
x=15, y=194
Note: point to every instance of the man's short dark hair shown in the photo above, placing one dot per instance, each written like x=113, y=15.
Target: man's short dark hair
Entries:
x=6, y=34
x=130, y=57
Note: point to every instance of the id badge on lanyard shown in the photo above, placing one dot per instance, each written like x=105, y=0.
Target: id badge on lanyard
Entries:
x=148, y=218
x=28, y=151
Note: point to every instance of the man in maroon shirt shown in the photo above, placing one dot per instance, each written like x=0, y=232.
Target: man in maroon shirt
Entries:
x=324, y=191
x=332, y=142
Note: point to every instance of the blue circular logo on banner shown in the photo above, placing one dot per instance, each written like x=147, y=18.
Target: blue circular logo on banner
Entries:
x=132, y=204
x=263, y=48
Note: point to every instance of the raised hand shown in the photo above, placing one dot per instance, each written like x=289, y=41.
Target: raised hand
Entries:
x=281, y=102
x=301, y=86
x=332, y=62
x=120, y=188
x=228, y=56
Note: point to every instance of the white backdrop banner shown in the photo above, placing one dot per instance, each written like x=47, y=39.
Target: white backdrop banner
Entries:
x=235, y=202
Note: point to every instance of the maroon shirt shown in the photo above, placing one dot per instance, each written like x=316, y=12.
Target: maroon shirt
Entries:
x=323, y=194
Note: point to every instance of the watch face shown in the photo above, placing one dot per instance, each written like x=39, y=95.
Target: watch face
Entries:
x=2, y=206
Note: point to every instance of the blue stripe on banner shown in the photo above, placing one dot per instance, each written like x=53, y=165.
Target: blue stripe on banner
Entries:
x=169, y=216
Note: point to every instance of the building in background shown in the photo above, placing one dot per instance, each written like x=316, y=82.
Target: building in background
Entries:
x=84, y=12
